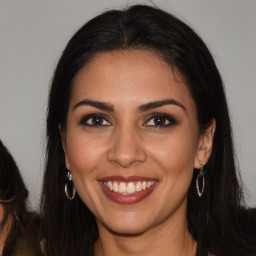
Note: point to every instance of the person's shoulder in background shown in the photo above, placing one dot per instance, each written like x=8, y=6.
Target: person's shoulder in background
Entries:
x=28, y=241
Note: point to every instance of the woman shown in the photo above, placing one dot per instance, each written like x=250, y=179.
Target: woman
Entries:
x=138, y=125
x=18, y=228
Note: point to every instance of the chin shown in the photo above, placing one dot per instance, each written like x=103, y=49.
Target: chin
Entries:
x=127, y=230
x=128, y=225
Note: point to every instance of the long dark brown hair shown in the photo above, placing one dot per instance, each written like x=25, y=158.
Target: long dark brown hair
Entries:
x=13, y=198
x=214, y=220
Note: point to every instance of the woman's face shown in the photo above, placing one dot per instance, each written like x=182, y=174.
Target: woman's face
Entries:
x=132, y=141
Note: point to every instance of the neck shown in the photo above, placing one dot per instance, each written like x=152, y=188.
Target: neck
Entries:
x=171, y=237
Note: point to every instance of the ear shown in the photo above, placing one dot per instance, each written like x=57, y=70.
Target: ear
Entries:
x=64, y=146
x=205, y=145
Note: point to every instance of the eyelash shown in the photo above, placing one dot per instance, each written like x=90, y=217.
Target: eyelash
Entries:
x=163, y=117
x=103, y=119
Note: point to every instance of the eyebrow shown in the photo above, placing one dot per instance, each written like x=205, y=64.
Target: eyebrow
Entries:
x=145, y=107
x=160, y=103
x=96, y=104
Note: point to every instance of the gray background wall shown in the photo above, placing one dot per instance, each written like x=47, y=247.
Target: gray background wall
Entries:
x=33, y=34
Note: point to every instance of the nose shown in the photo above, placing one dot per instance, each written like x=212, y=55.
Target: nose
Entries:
x=126, y=149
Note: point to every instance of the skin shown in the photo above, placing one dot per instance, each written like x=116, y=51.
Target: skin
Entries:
x=129, y=142
x=5, y=229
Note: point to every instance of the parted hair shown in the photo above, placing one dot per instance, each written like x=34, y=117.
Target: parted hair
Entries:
x=214, y=220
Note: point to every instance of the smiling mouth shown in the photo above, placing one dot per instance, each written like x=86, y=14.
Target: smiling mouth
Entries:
x=128, y=188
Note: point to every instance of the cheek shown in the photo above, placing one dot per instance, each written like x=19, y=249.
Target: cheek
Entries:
x=175, y=157
x=175, y=153
x=84, y=152
x=86, y=155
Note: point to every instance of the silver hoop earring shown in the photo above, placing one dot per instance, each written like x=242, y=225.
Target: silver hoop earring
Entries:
x=70, y=186
x=200, y=181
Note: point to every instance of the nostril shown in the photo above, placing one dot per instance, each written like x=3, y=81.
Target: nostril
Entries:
x=126, y=157
x=126, y=160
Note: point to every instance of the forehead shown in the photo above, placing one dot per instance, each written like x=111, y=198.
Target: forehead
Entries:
x=124, y=77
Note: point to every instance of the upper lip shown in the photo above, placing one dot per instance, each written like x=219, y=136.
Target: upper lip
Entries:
x=126, y=178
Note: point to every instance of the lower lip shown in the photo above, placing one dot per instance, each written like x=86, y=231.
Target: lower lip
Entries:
x=127, y=199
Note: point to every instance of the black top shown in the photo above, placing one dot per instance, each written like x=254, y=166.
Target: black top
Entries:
x=247, y=227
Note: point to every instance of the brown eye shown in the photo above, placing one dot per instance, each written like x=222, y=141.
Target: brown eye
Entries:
x=160, y=120
x=95, y=120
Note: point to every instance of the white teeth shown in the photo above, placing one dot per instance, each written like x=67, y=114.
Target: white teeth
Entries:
x=122, y=188
x=138, y=186
x=109, y=185
x=150, y=183
x=131, y=188
x=144, y=185
x=128, y=188
x=115, y=187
